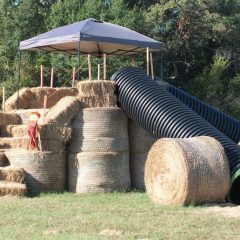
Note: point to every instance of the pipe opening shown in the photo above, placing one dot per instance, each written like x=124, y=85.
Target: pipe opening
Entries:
x=234, y=191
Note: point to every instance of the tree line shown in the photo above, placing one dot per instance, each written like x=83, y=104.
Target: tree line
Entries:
x=201, y=42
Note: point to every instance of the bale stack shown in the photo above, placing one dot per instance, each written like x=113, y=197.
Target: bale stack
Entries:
x=187, y=171
x=12, y=182
x=140, y=142
x=98, y=154
x=98, y=93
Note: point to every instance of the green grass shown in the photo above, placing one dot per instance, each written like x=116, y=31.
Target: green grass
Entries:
x=73, y=216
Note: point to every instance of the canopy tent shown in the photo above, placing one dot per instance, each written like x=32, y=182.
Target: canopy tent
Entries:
x=93, y=37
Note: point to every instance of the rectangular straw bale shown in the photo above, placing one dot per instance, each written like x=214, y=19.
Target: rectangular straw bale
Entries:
x=14, y=142
x=63, y=111
x=23, y=99
x=9, y=118
x=96, y=87
x=12, y=174
x=108, y=100
x=13, y=189
x=14, y=131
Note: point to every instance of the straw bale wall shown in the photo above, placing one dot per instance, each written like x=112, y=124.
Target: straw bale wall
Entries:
x=187, y=171
x=12, y=174
x=45, y=171
x=140, y=142
x=9, y=118
x=12, y=189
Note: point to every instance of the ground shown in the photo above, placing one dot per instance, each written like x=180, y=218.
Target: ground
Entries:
x=113, y=216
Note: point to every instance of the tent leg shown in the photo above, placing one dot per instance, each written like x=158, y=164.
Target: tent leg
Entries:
x=19, y=75
x=78, y=70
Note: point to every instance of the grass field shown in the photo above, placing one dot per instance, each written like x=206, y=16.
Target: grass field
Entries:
x=98, y=216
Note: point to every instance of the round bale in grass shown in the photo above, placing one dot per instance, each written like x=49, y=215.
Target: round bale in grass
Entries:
x=187, y=171
x=45, y=171
x=98, y=172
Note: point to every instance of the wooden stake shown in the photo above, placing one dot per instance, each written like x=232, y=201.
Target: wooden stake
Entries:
x=104, y=67
x=89, y=67
x=41, y=82
x=44, y=107
x=148, y=61
x=3, y=99
x=52, y=72
x=151, y=63
x=99, y=70
x=74, y=76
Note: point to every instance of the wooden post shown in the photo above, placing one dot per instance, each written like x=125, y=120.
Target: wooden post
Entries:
x=52, y=72
x=3, y=99
x=148, y=61
x=44, y=107
x=41, y=82
x=89, y=67
x=151, y=63
x=104, y=67
x=74, y=76
x=99, y=69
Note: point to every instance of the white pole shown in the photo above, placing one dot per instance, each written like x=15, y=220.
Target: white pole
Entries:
x=41, y=82
x=104, y=67
x=52, y=72
x=3, y=99
x=99, y=70
x=74, y=76
x=148, y=61
x=89, y=67
x=151, y=62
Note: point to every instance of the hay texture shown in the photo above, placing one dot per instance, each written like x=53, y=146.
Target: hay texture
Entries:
x=23, y=100
x=98, y=172
x=140, y=142
x=3, y=159
x=9, y=118
x=12, y=174
x=45, y=171
x=63, y=111
x=14, y=131
x=186, y=171
x=12, y=189
x=99, y=130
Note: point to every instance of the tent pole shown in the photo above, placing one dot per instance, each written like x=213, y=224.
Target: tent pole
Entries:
x=104, y=67
x=89, y=67
x=161, y=54
x=78, y=70
x=147, y=61
x=151, y=62
x=19, y=75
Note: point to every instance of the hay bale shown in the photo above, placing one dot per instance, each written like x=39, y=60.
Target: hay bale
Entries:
x=98, y=172
x=23, y=99
x=45, y=171
x=14, y=131
x=63, y=111
x=12, y=174
x=9, y=118
x=12, y=189
x=98, y=101
x=96, y=88
x=3, y=159
x=140, y=142
x=185, y=171
x=14, y=142
x=99, y=130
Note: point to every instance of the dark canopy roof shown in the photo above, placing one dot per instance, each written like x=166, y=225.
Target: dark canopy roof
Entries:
x=96, y=38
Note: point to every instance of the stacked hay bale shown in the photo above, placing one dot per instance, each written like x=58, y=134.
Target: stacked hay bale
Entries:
x=187, y=171
x=12, y=182
x=140, y=142
x=98, y=154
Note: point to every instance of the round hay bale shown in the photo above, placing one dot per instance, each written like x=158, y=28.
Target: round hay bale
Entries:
x=12, y=189
x=12, y=174
x=186, y=171
x=99, y=130
x=45, y=171
x=3, y=159
x=98, y=172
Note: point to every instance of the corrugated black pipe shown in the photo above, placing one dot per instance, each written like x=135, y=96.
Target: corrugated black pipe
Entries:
x=223, y=122
x=163, y=115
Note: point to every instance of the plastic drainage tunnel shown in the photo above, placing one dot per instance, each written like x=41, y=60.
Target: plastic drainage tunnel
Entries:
x=163, y=115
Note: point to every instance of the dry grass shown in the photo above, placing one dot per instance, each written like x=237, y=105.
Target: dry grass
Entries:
x=185, y=171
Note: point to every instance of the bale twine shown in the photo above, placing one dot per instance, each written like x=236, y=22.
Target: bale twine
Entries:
x=12, y=174
x=45, y=171
x=98, y=172
x=3, y=159
x=185, y=171
x=23, y=99
x=63, y=111
x=12, y=189
x=99, y=130
x=9, y=118
x=140, y=141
